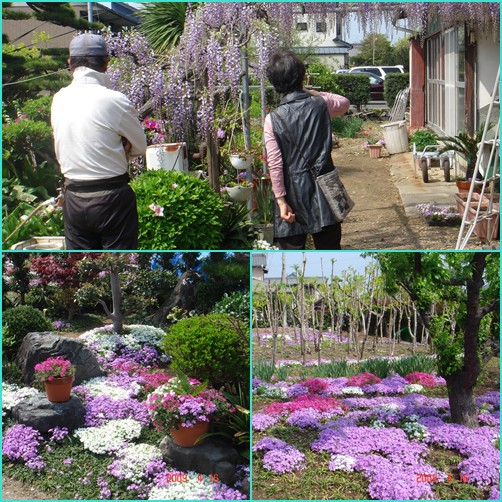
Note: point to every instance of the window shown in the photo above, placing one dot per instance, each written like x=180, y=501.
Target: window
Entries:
x=320, y=27
x=301, y=26
x=445, y=106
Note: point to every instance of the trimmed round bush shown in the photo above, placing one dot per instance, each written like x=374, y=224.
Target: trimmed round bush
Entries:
x=177, y=211
x=213, y=347
x=17, y=322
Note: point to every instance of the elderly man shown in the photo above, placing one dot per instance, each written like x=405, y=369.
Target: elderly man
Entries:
x=96, y=129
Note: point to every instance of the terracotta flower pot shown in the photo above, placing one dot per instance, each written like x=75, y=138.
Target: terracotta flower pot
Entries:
x=374, y=151
x=187, y=436
x=59, y=389
x=464, y=186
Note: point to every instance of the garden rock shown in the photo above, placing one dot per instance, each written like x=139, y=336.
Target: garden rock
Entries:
x=37, y=347
x=38, y=412
x=213, y=456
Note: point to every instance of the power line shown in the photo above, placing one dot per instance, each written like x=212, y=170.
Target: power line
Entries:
x=35, y=78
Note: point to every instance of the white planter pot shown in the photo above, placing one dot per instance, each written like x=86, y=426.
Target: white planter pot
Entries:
x=239, y=163
x=240, y=193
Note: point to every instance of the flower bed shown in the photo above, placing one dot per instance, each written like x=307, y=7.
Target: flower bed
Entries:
x=383, y=435
x=116, y=450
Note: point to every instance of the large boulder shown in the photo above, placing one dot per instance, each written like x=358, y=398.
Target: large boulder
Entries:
x=37, y=347
x=213, y=456
x=38, y=412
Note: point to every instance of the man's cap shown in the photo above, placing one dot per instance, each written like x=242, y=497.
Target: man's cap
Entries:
x=88, y=44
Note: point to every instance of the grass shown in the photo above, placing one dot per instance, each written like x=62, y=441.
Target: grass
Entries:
x=346, y=127
x=379, y=367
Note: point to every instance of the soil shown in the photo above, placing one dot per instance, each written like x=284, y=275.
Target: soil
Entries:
x=378, y=220
x=12, y=489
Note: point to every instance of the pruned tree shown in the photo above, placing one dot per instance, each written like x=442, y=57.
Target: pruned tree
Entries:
x=457, y=296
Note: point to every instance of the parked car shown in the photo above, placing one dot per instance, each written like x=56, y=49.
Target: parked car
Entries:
x=341, y=70
x=376, y=86
x=379, y=71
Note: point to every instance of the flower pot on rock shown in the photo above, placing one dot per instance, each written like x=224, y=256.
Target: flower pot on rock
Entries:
x=240, y=193
x=241, y=162
x=188, y=437
x=58, y=390
x=374, y=151
x=57, y=374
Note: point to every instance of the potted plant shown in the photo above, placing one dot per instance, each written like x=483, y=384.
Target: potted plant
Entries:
x=57, y=375
x=467, y=146
x=241, y=160
x=241, y=189
x=374, y=146
x=184, y=408
x=436, y=215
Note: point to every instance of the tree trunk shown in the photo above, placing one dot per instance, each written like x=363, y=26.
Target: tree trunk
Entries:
x=117, y=316
x=463, y=407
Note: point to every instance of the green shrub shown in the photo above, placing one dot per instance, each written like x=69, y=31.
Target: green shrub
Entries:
x=220, y=277
x=211, y=347
x=346, y=127
x=191, y=211
x=43, y=223
x=16, y=323
x=394, y=82
x=355, y=87
x=324, y=78
x=235, y=304
x=423, y=137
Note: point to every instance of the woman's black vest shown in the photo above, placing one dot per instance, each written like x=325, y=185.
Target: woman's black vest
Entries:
x=302, y=128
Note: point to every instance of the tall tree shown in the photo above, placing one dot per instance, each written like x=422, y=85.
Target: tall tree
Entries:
x=457, y=296
x=375, y=49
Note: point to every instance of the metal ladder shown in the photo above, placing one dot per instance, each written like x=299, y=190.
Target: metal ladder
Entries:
x=487, y=207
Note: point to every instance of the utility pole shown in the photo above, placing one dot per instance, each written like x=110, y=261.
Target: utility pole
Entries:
x=89, y=12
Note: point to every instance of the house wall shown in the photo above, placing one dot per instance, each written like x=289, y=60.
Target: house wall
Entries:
x=488, y=62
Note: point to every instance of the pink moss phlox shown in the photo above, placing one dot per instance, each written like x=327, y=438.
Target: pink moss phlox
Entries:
x=363, y=379
x=421, y=378
x=315, y=385
x=319, y=403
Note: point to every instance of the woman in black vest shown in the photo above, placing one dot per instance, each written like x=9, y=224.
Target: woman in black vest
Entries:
x=298, y=138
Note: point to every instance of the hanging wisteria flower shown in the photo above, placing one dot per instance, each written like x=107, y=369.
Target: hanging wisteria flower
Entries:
x=110, y=436
x=158, y=210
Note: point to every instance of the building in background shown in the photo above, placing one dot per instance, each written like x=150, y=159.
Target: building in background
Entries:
x=116, y=15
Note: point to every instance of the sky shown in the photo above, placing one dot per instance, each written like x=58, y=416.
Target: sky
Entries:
x=343, y=260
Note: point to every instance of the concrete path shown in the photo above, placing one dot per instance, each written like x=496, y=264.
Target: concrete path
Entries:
x=413, y=190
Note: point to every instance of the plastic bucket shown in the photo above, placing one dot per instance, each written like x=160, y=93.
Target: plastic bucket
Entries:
x=168, y=156
x=395, y=136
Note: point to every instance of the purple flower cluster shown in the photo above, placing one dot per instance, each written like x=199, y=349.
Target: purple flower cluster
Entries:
x=305, y=418
x=283, y=460
x=262, y=421
x=267, y=444
x=21, y=442
x=58, y=434
x=101, y=409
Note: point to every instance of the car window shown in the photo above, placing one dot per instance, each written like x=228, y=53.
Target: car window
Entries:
x=388, y=69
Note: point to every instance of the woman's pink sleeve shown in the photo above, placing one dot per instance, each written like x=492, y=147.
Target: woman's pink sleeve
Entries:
x=274, y=159
x=337, y=105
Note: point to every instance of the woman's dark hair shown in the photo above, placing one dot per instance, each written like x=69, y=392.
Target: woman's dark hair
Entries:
x=286, y=72
x=97, y=63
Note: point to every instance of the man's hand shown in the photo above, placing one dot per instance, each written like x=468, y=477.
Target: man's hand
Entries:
x=285, y=210
x=126, y=144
